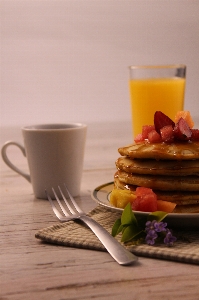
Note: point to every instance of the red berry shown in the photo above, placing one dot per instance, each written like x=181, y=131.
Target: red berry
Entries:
x=195, y=135
x=161, y=120
x=182, y=131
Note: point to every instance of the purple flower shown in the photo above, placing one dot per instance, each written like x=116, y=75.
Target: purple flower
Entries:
x=169, y=238
x=160, y=226
x=150, y=225
x=150, y=237
x=152, y=228
x=154, y=225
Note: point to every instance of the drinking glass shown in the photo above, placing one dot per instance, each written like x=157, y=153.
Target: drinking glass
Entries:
x=155, y=88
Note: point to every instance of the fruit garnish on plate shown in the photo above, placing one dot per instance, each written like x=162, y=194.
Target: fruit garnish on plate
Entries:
x=143, y=199
x=166, y=130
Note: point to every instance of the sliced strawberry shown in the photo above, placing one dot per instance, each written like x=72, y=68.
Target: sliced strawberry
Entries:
x=195, y=135
x=182, y=131
x=154, y=137
x=146, y=129
x=139, y=138
x=161, y=120
x=167, y=134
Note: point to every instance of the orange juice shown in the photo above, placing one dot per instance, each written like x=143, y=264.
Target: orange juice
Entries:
x=150, y=95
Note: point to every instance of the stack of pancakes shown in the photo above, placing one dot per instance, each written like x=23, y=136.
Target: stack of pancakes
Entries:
x=170, y=170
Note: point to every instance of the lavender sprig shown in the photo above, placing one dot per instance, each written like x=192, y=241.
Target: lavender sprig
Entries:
x=153, y=228
x=169, y=238
x=151, y=237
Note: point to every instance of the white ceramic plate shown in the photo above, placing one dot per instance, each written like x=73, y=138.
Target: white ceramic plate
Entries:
x=186, y=221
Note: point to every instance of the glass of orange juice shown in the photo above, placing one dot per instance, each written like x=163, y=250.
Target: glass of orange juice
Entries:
x=155, y=88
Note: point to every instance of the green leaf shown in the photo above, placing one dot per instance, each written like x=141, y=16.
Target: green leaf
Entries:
x=117, y=227
x=128, y=216
x=130, y=233
x=157, y=215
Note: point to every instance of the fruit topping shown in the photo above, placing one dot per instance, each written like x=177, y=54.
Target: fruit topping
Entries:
x=195, y=135
x=182, y=131
x=139, y=138
x=146, y=129
x=154, y=137
x=165, y=206
x=167, y=133
x=161, y=120
x=120, y=198
x=165, y=130
x=186, y=116
x=146, y=200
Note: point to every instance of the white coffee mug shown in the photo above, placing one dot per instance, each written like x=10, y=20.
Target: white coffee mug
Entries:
x=55, y=154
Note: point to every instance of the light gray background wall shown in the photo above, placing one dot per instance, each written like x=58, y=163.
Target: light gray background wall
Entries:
x=66, y=61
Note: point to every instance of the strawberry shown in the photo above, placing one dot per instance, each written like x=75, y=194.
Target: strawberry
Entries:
x=167, y=133
x=195, y=135
x=161, y=120
x=182, y=131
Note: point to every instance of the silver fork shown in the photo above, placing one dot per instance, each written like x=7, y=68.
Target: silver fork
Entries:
x=116, y=250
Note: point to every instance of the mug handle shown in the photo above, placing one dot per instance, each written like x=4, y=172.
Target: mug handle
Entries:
x=8, y=162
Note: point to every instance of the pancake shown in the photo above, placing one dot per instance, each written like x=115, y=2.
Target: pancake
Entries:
x=153, y=167
x=162, y=151
x=186, y=209
x=165, y=183
x=180, y=198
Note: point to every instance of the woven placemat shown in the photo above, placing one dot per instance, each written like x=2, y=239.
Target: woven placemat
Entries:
x=76, y=234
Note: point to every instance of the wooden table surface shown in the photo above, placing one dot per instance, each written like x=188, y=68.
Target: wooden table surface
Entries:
x=30, y=269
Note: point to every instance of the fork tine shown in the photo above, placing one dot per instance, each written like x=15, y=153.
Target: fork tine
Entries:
x=59, y=202
x=73, y=200
x=66, y=202
x=57, y=213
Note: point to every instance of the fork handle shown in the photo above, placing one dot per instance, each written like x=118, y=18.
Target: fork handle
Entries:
x=116, y=250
